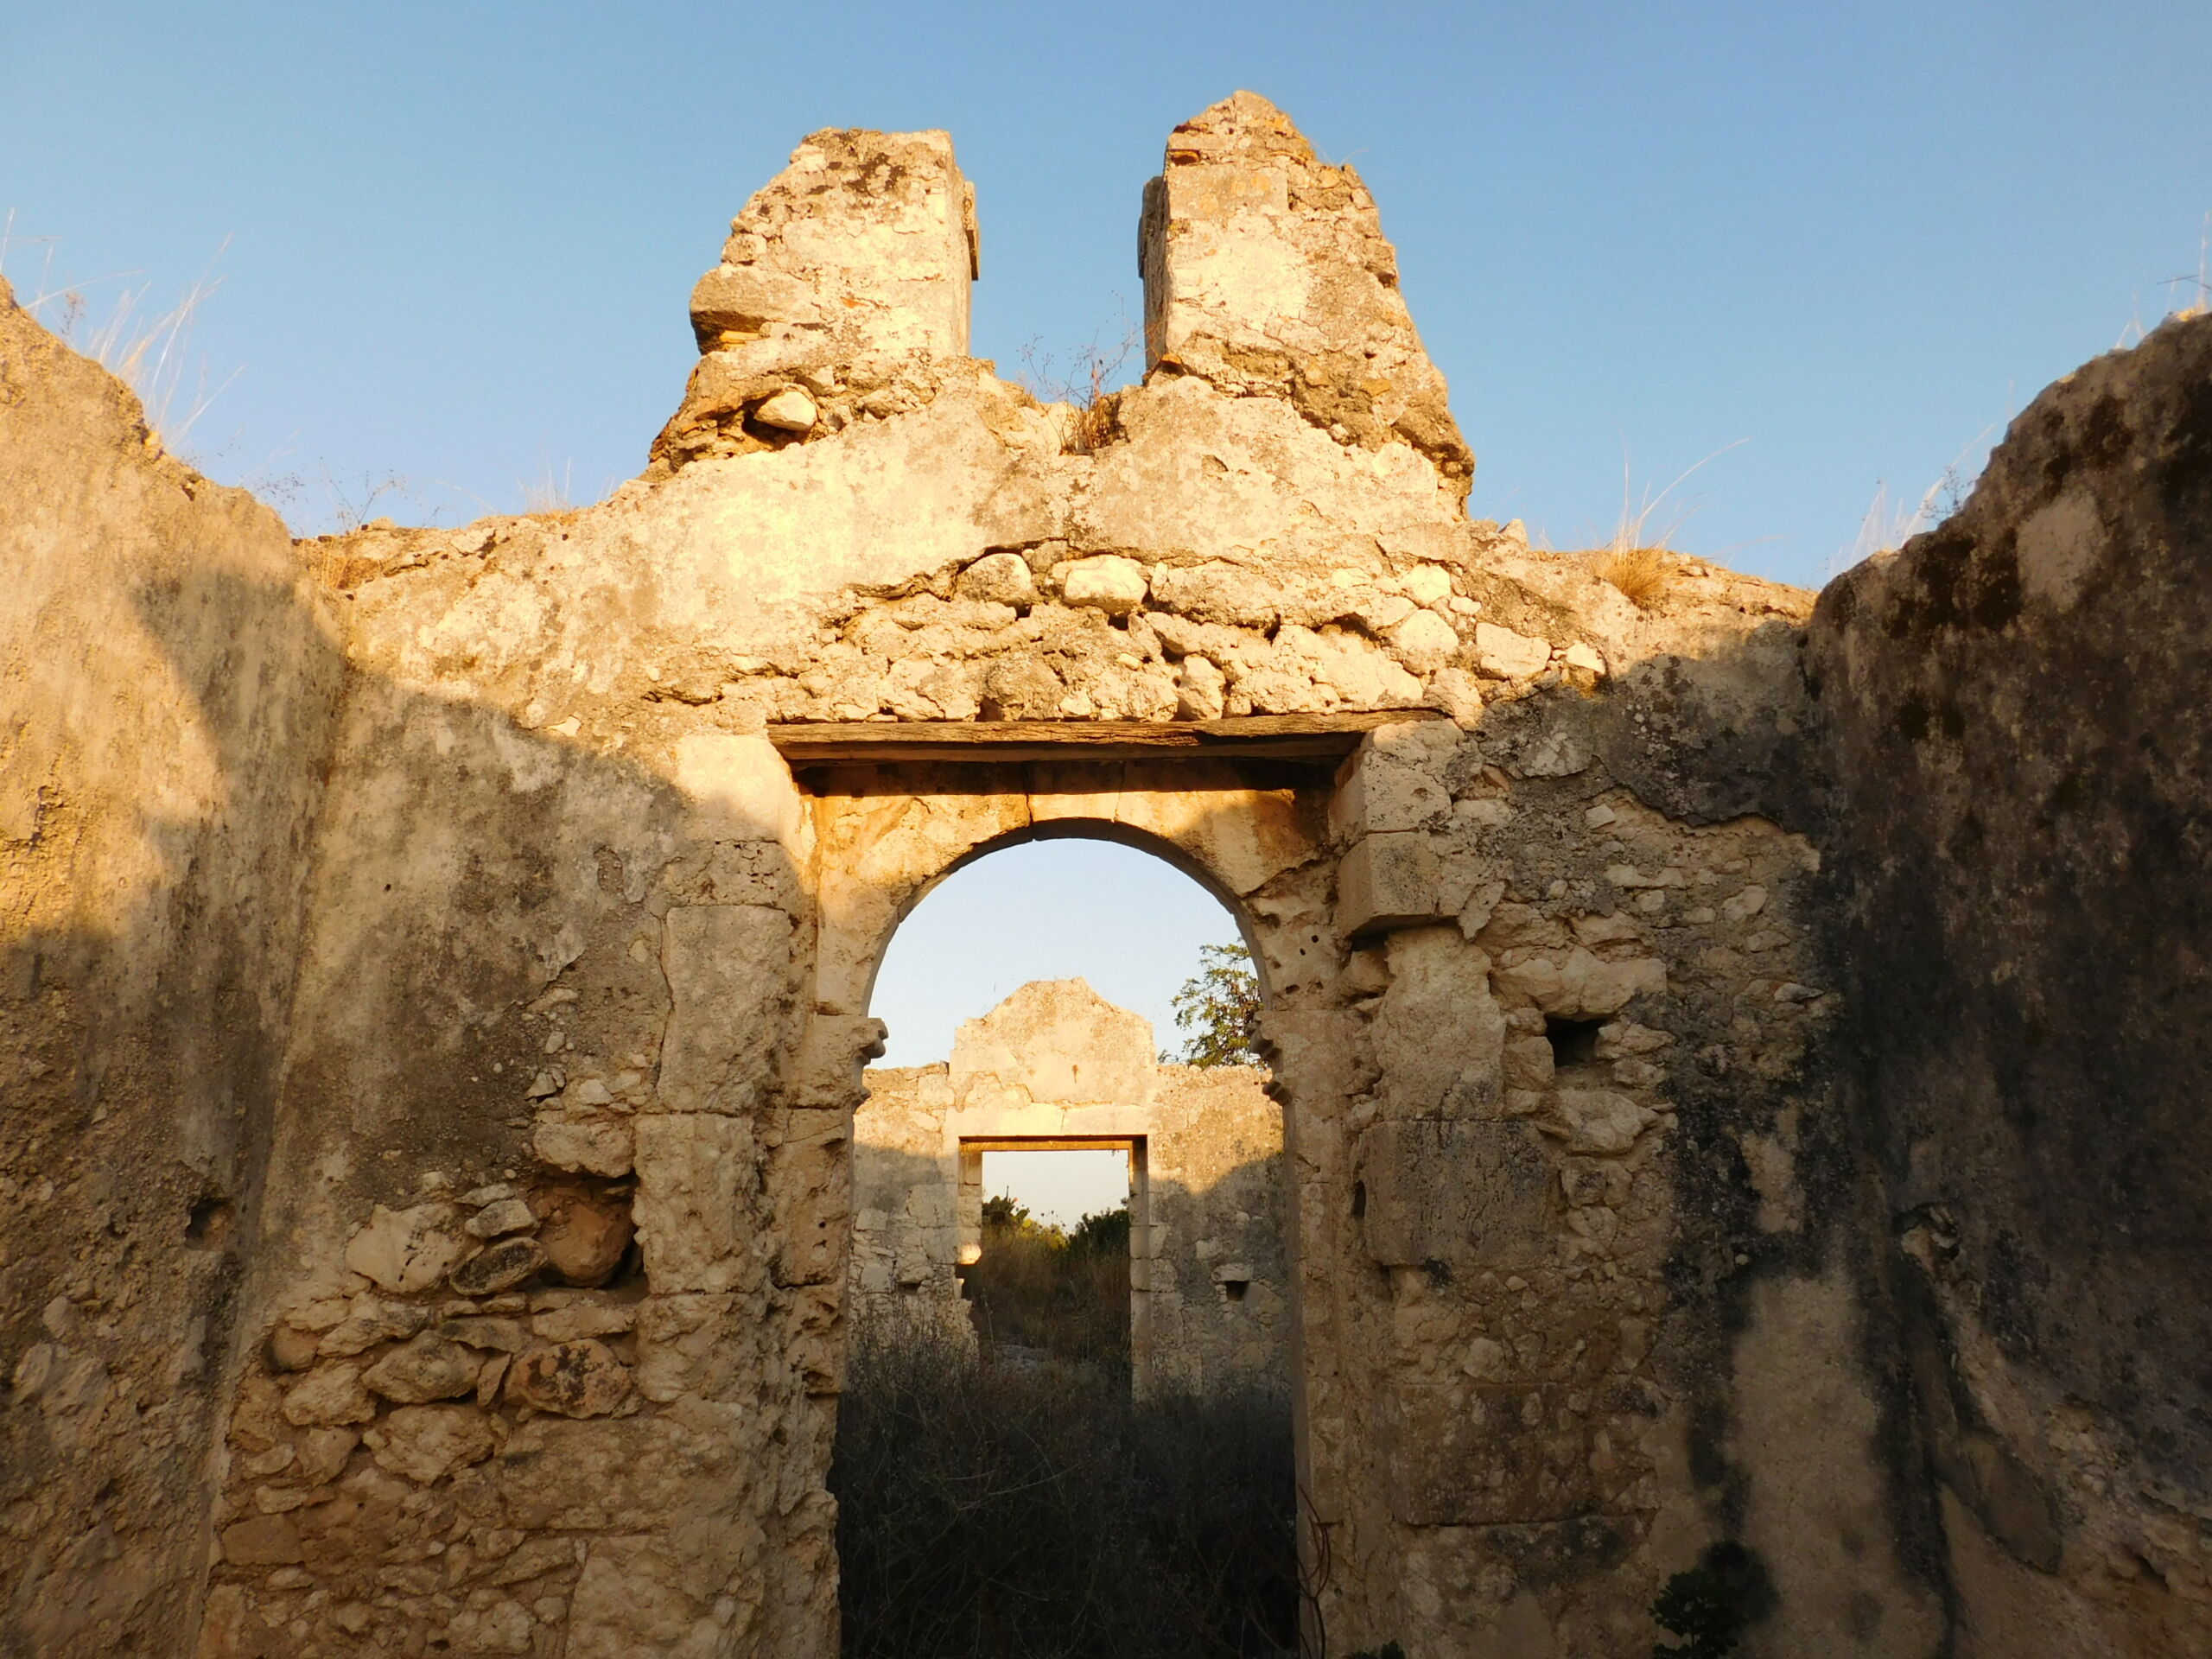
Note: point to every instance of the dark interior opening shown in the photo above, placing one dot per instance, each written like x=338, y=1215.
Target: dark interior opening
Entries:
x=1575, y=1042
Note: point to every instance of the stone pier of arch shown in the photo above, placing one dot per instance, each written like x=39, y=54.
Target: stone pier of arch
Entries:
x=1738, y=1059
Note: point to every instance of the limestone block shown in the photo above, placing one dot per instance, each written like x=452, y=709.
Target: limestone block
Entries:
x=1390, y=784
x=1427, y=584
x=745, y=299
x=1468, y=1192
x=634, y=1597
x=789, y=410
x=502, y=1267
x=1578, y=984
x=1424, y=642
x=1597, y=1119
x=503, y=1626
x=322, y=1454
x=491, y=1332
x=427, y=1443
x=261, y=1540
x=369, y=1320
x=832, y=1052
x=584, y=1234
x=1437, y=1034
x=730, y=975
x=697, y=1172
x=509, y=1214
x=590, y=1143
x=1387, y=881
x=809, y=1191
x=1108, y=584
x=1456, y=692
x=406, y=1250
x=1198, y=690
x=1505, y=655
x=739, y=788
x=1467, y=1454
x=693, y=1345
x=999, y=578
x=866, y=241
x=1227, y=594
x=575, y=1320
x=1266, y=273
x=429, y=1367
x=332, y=1394
x=581, y=1378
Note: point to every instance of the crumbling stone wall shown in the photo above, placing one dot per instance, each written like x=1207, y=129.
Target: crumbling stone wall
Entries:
x=495, y=970
x=1054, y=1062
x=2020, y=749
x=168, y=675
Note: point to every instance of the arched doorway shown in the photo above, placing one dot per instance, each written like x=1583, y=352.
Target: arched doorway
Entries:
x=974, y=1360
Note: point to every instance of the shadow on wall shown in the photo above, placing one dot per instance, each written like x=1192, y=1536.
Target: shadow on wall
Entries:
x=142, y=1016
x=149, y=1165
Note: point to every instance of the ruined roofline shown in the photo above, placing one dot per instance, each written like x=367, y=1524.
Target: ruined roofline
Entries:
x=844, y=281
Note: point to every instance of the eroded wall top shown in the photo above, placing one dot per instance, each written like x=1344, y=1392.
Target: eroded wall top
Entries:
x=1266, y=271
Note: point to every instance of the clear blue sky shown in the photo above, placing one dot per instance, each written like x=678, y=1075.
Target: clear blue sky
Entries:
x=456, y=242
x=456, y=239
x=1122, y=919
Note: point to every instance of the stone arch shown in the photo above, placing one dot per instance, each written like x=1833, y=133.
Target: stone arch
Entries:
x=884, y=841
x=1100, y=829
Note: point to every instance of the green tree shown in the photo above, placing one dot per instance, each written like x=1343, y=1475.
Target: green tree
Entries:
x=1217, y=1010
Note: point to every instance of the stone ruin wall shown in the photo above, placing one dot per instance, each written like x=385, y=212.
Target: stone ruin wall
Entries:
x=1209, y=1271
x=2018, y=736
x=505, y=989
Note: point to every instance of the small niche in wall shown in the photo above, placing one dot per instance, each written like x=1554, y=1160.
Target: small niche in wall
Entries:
x=1235, y=1288
x=1575, y=1042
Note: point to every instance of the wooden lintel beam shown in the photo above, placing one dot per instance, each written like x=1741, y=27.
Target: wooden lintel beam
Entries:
x=1270, y=737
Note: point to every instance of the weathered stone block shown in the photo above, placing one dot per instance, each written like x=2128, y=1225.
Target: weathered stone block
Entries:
x=697, y=1172
x=1108, y=583
x=1387, y=881
x=1061, y=1041
x=739, y=788
x=1470, y=1193
x=1438, y=1037
x=1386, y=786
x=407, y=1250
x=1506, y=655
x=1464, y=1454
x=730, y=973
x=427, y=1443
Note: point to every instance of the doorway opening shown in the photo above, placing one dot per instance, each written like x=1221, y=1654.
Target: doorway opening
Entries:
x=1046, y=1270
x=1065, y=1426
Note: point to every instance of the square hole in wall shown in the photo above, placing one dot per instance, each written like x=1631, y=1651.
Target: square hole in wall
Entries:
x=1575, y=1042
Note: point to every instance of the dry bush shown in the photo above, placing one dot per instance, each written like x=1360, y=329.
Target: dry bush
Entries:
x=1095, y=418
x=1037, y=1287
x=1641, y=574
x=1635, y=559
x=1005, y=1511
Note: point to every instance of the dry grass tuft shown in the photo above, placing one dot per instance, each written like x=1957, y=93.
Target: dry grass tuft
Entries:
x=1635, y=559
x=1641, y=574
x=150, y=354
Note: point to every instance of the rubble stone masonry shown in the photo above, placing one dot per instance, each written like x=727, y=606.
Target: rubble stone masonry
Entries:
x=1738, y=1063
